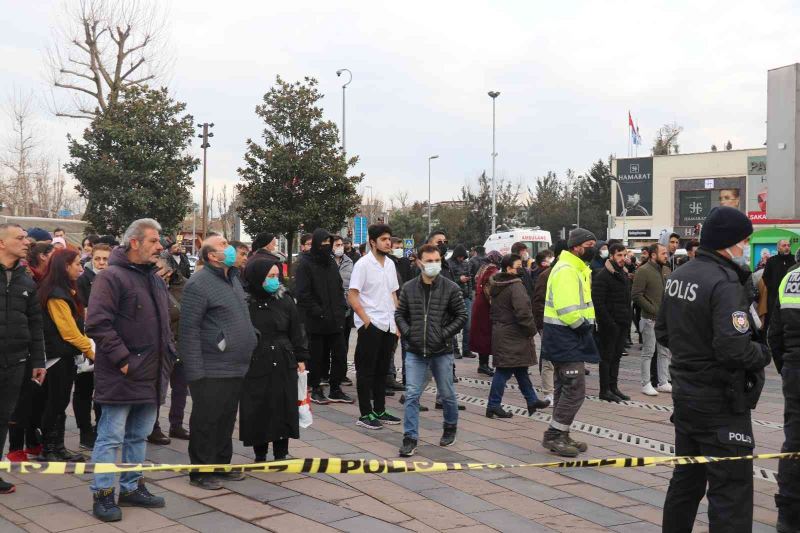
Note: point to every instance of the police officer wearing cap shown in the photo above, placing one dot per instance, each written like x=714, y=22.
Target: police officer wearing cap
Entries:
x=784, y=340
x=717, y=375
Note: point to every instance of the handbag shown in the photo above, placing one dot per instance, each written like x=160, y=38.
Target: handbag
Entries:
x=303, y=400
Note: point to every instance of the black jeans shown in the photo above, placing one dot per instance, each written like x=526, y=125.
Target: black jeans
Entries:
x=180, y=390
x=82, y=401
x=788, y=497
x=612, y=343
x=327, y=351
x=214, y=407
x=373, y=350
x=708, y=428
x=59, y=380
x=10, y=384
x=280, y=449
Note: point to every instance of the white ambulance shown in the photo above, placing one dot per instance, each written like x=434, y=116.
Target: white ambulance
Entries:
x=534, y=238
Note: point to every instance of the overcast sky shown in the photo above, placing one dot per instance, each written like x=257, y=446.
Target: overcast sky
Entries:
x=568, y=73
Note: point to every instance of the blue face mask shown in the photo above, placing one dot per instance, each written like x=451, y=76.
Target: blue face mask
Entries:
x=271, y=285
x=230, y=256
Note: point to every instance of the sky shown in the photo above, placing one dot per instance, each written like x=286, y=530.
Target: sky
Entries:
x=568, y=73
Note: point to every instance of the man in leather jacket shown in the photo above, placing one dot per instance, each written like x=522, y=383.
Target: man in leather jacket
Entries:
x=430, y=312
x=717, y=374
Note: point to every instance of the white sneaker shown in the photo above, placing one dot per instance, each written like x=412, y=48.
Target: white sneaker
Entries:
x=549, y=398
x=666, y=387
x=648, y=390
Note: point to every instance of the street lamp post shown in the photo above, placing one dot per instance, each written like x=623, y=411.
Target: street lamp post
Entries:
x=205, y=136
x=344, y=116
x=624, y=211
x=429, y=191
x=493, y=95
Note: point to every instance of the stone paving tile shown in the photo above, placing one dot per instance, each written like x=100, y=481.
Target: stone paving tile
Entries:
x=58, y=517
x=445, y=455
x=532, y=489
x=32, y=527
x=320, y=489
x=600, y=479
x=386, y=491
x=417, y=482
x=652, y=496
x=368, y=505
x=178, y=506
x=336, y=447
x=639, y=527
x=473, y=529
x=312, y=507
x=434, y=514
x=466, y=483
x=137, y=520
x=241, y=507
x=181, y=486
x=106, y=528
x=522, y=505
x=54, y=482
x=217, y=522
x=509, y=522
x=592, y=511
x=644, y=512
x=458, y=501
x=9, y=527
x=359, y=524
x=11, y=516
x=599, y=495
x=26, y=496
x=258, y=490
x=419, y=527
x=291, y=523
x=79, y=497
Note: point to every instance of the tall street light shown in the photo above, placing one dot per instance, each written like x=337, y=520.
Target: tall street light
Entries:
x=344, y=116
x=205, y=135
x=624, y=210
x=493, y=95
x=431, y=158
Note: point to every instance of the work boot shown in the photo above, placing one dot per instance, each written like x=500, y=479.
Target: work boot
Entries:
x=618, y=393
x=157, y=437
x=105, y=508
x=206, y=482
x=582, y=446
x=498, y=412
x=53, y=449
x=393, y=384
x=559, y=445
x=538, y=404
x=140, y=497
x=485, y=369
x=448, y=436
x=609, y=396
x=179, y=433
x=408, y=448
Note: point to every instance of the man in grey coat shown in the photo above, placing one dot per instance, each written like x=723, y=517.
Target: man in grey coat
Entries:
x=216, y=343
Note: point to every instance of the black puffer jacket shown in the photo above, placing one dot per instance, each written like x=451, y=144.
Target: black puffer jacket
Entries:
x=318, y=287
x=20, y=320
x=784, y=324
x=611, y=296
x=461, y=268
x=428, y=324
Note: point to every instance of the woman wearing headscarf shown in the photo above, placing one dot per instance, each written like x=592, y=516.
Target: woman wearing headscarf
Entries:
x=268, y=408
x=480, y=339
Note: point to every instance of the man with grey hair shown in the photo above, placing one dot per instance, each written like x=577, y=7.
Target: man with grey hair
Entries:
x=128, y=318
x=216, y=341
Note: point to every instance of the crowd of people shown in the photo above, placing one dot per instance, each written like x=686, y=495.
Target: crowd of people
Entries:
x=113, y=326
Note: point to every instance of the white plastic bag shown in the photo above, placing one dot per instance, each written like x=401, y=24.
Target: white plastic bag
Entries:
x=304, y=400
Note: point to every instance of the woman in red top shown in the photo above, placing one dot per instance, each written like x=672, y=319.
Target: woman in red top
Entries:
x=480, y=338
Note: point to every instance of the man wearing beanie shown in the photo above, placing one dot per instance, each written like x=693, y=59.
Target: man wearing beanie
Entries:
x=717, y=375
x=567, y=339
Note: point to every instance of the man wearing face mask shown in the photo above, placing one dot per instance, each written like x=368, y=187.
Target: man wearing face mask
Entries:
x=568, y=339
x=216, y=341
x=320, y=299
x=521, y=250
x=599, y=261
x=717, y=375
x=776, y=268
x=431, y=311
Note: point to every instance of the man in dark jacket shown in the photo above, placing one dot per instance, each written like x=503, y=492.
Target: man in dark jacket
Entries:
x=20, y=328
x=462, y=275
x=265, y=244
x=521, y=249
x=430, y=313
x=717, y=375
x=318, y=287
x=128, y=318
x=177, y=260
x=775, y=270
x=216, y=341
x=477, y=261
x=611, y=296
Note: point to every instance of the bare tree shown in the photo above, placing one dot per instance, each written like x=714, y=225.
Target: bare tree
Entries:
x=103, y=47
x=224, y=203
x=18, y=159
x=666, y=141
x=401, y=198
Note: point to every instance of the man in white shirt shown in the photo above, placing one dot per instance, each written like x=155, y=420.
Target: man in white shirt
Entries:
x=373, y=300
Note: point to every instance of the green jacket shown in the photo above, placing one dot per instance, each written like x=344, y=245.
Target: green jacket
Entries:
x=648, y=289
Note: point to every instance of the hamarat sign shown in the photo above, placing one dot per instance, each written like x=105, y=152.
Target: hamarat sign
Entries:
x=635, y=177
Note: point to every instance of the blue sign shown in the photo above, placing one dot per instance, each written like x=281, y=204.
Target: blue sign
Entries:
x=64, y=213
x=408, y=247
x=359, y=230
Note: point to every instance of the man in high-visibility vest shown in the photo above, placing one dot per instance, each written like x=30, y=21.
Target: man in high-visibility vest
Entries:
x=784, y=339
x=567, y=339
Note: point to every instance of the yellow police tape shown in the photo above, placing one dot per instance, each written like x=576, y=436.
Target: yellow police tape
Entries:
x=335, y=465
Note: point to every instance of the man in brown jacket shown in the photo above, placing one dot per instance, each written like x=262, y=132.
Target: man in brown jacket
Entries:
x=648, y=289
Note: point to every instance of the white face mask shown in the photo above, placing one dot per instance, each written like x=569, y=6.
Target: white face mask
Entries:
x=432, y=269
x=740, y=260
x=338, y=252
x=524, y=256
x=604, y=254
x=397, y=252
x=550, y=260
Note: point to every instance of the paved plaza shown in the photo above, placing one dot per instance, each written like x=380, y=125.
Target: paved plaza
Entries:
x=527, y=499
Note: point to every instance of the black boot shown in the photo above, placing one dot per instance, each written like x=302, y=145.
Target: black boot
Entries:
x=609, y=396
x=788, y=522
x=498, y=412
x=485, y=369
x=66, y=455
x=619, y=394
x=538, y=404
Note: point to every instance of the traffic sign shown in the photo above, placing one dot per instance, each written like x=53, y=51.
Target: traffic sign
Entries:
x=359, y=230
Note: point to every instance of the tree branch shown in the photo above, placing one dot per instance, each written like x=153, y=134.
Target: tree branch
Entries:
x=134, y=67
x=76, y=88
x=80, y=75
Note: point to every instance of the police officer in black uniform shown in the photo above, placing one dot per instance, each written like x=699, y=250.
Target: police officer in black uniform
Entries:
x=717, y=376
x=784, y=340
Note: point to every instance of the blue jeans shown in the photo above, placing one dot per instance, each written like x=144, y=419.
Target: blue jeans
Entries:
x=441, y=366
x=126, y=427
x=502, y=375
x=465, y=331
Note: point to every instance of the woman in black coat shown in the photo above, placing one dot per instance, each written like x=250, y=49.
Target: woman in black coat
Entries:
x=268, y=407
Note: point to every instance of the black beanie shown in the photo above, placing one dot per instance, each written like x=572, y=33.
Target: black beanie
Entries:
x=262, y=239
x=579, y=236
x=724, y=227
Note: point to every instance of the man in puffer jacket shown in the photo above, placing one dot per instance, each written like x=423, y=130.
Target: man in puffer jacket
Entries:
x=430, y=312
x=462, y=275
